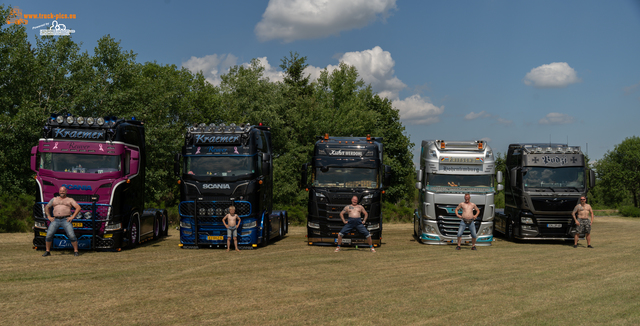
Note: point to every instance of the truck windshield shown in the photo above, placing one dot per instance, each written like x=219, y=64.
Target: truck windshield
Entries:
x=80, y=163
x=454, y=180
x=223, y=166
x=341, y=177
x=544, y=177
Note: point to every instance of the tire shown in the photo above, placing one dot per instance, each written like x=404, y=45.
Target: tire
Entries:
x=415, y=227
x=286, y=223
x=164, y=224
x=134, y=233
x=156, y=227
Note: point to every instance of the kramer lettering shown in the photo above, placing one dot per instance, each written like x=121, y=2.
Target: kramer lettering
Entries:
x=216, y=139
x=78, y=134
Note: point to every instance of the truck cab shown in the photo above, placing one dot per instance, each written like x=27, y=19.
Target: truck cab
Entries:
x=221, y=166
x=544, y=183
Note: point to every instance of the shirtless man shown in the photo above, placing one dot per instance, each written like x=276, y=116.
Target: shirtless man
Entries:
x=467, y=219
x=62, y=217
x=231, y=222
x=354, y=222
x=582, y=221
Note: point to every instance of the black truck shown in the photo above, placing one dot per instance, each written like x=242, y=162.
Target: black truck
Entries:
x=544, y=183
x=343, y=167
x=222, y=166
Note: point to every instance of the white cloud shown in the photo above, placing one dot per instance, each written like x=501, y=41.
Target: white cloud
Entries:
x=553, y=75
x=212, y=66
x=418, y=110
x=291, y=20
x=269, y=71
x=472, y=115
x=504, y=121
x=555, y=118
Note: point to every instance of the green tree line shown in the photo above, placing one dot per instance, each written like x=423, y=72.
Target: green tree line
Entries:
x=53, y=75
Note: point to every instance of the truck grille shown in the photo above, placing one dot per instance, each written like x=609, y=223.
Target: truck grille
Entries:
x=557, y=204
x=448, y=222
x=214, y=209
x=546, y=220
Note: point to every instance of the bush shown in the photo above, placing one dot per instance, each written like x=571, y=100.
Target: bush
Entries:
x=16, y=212
x=629, y=211
x=297, y=214
x=399, y=213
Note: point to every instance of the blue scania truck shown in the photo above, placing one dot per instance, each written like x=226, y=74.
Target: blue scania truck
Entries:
x=221, y=166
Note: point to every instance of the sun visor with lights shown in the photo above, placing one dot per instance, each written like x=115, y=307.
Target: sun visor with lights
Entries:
x=218, y=134
x=66, y=126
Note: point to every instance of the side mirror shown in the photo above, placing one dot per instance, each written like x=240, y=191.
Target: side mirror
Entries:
x=34, y=158
x=419, y=185
x=500, y=187
x=513, y=177
x=266, y=157
x=419, y=175
x=592, y=178
x=386, y=182
x=499, y=176
x=304, y=176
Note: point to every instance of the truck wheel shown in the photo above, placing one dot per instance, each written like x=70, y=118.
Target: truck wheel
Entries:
x=156, y=227
x=415, y=226
x=164, y=224
x=134, y=233
x=286, y=222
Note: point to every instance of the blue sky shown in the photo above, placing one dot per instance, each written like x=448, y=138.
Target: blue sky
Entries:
x=503, y=71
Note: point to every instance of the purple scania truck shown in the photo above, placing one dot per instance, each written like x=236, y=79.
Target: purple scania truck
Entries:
x=101, y=161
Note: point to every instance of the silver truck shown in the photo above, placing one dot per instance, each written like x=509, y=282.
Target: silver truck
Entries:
x=448, y=170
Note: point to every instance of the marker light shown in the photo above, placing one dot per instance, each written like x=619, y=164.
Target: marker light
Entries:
x=442, y=145
x=80, y=120
x=480, y=145
x=202, y=125
x=212, y=124
x=100, y=121
x=90, y=120
x=326, y=136
x=368, y=137
x=60, y=119
x=70, y=119
x=260, y=182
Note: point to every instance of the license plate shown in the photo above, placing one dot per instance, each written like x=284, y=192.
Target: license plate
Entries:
x=346, y=241
x=106, y=236
x=215, y=237
x=554, y=226
x=77, y=224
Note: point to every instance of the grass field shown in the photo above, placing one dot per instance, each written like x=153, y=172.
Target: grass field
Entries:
x=288, y=282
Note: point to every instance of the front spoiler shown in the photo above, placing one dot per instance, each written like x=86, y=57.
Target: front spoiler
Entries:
x=432, y=239
x=332, y=241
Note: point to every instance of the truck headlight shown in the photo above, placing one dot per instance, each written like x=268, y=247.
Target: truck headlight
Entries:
x=251, y=224
x=373, y=226
x=40, y=225
x=367, y=199
x=486, y=231
x=430, y=229
x=526, y=220
x=314, y=225
x=112, y=226
x=185, y=225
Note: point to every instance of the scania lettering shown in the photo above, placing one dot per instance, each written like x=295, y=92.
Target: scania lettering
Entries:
x=448, y=170
x=544, y=183
x=222, y=166
x=343, y=167
x=101, y=161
